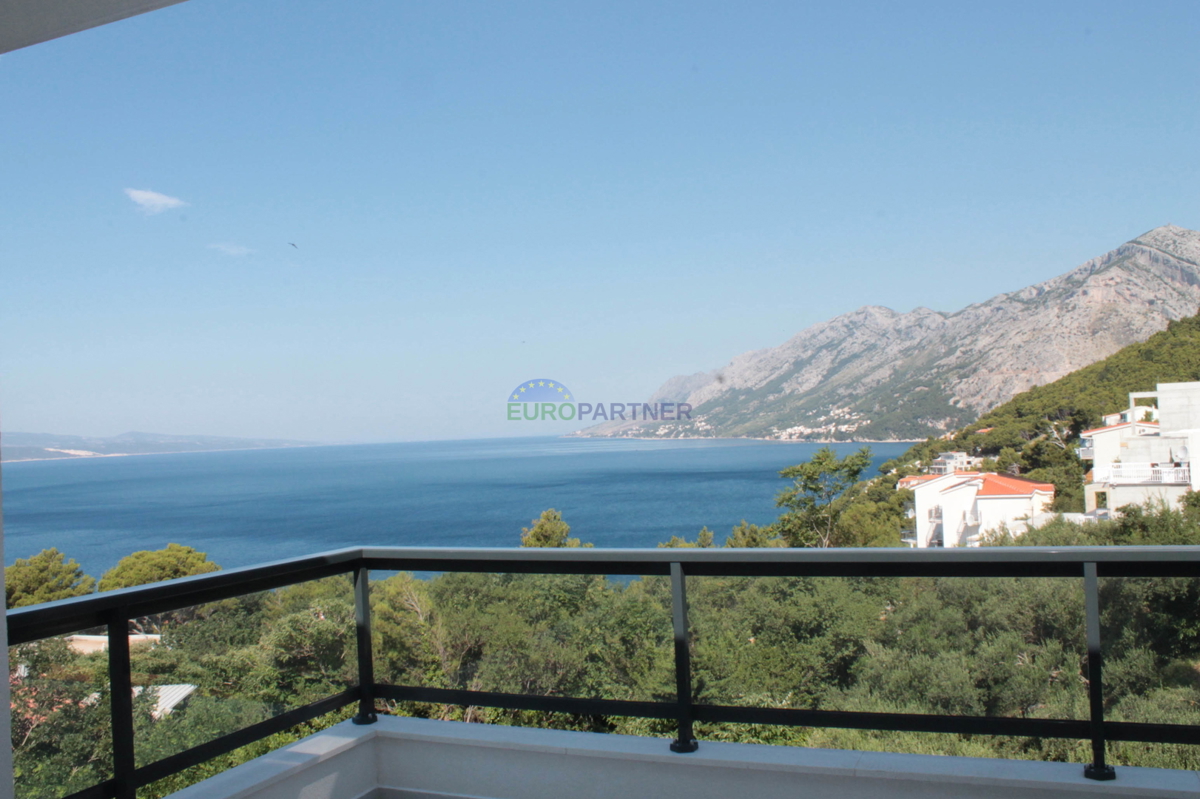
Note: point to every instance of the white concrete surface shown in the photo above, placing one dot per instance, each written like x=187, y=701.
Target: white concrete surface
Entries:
x=401, y=758
x=339, y=762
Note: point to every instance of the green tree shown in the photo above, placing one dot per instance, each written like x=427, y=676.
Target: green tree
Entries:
x=152, y=566
x=870, y=524
x=61, y=731
x=703, y=541
x=405, y=640
x=45, y=577
x=549, y=530
x=811, y=518
x=746, y=536
x=307, y=655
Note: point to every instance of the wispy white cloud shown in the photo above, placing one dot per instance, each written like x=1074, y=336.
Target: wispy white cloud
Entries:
x=236, y=250
x=152, y=202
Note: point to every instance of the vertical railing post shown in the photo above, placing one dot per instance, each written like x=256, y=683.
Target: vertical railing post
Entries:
x=686, y=742
x=120, y=688
x=1098, y=769
x=366, y=656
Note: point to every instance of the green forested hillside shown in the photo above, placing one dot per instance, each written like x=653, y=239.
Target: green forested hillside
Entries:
x=1038, y=430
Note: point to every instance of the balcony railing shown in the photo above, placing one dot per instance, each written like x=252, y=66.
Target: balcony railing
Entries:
x=115, y=609
x=1141, y=473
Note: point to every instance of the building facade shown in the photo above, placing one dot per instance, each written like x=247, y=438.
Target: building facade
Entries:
x=955, y=510
x=1144, y=453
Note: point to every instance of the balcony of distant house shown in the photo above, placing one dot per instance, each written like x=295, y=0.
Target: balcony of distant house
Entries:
x=1176, y=473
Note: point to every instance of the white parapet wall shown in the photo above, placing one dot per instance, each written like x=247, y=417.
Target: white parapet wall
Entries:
x=402, y=758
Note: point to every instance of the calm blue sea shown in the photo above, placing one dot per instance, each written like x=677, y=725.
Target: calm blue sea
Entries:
x=255, y=506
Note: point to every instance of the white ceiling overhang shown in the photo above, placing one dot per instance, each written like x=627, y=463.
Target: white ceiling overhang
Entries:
x=26, y=22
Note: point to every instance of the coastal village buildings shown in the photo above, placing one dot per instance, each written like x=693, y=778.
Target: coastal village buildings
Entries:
x=1141, y=453
x=958, y=509
x=1144, y=453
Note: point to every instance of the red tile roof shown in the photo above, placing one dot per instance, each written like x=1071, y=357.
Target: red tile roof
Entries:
x=992, y=484
x=913, y=479
x=999, y=485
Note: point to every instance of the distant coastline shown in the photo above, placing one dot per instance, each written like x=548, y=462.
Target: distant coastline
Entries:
x=26, y=447
x=755, y=438
x=33, y=453
x=94, y=455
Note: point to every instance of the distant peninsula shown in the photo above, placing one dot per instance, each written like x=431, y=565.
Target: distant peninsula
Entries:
x=52, y=446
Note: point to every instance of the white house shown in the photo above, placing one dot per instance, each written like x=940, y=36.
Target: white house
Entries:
x=951, y=462
x=1135, y=458
x=1138, y=413
x=957, y=509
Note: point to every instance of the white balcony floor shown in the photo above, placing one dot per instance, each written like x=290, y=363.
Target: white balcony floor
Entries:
x=402, y=758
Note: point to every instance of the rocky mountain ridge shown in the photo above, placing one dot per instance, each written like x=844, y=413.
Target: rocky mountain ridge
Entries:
x=876, y=374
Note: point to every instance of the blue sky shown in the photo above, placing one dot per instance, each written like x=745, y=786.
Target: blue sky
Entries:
x=604, y=194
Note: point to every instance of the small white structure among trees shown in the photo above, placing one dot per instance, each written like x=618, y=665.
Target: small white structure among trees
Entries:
x=951, y=462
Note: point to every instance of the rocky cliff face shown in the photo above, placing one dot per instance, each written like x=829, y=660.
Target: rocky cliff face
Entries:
x=875, y=374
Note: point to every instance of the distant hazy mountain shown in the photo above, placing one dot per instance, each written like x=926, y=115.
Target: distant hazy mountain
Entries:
x=43, y=446
x=875, y=374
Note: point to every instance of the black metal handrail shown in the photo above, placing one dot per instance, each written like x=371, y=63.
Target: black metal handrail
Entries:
x=115, y=609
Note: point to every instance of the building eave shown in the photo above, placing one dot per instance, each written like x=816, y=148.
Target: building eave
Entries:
x=28, y=22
